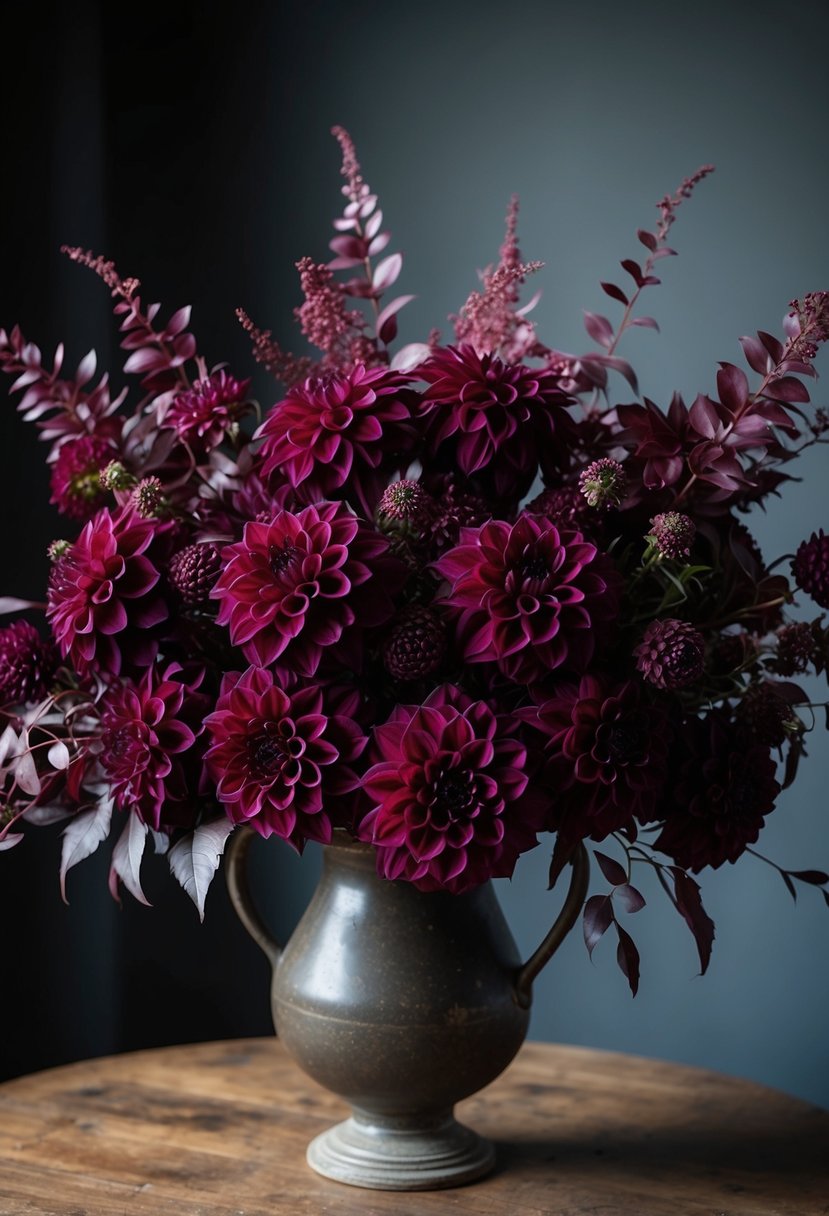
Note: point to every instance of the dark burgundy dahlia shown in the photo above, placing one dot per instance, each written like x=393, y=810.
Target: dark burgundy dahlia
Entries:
x=724, y=787
x=76, y=476
x=102, y=596
x=451, y=806
x=811, y=567
x=193, y=572
x=671, y=654
x=528, y=596
x=606, y=752
x=27, y=664
x=415, y=645
x=282, y=757
x=147, y=730
x=497, y=419
x=340, y=436
x=205, y=413
x=302, y=584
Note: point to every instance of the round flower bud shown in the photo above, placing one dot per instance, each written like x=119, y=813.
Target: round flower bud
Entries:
x=796, y=648
x=57, y=549
x=811, y=568
x=670, y=654
x=148, y=497
x=415, y=646
x=193, y=571
x=116, y=477
x=672, y=534
x=405, y=502
x=603, y=483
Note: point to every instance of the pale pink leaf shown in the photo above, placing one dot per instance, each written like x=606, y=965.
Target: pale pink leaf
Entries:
x=82, y=837
x=387, y=271
x=25, y=774
x=379, y=244
x=86, y=368
x=8, y=603
x=410, y=357
x=599, y=328
x=126, y=859
x=8, y=842
x=373, y=225
x=178, y=321
x=58, y=755
x=195, y=858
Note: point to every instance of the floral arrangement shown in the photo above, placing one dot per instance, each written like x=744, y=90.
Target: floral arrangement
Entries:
x=446, y=599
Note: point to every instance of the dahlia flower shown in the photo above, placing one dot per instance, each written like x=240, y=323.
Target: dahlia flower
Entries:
x=281, y=757
x=452, y=508
x=811, y=567
x=193, y=571
x=102, y=599
x=724, y=787
x=303, y=583
x=340, y=436
x=566, y=507
x=528, y=597
x=494, y=419
x=605, y=748
x=76, y=476
x=205, y=412
x=416, y=644
x=146, y=730
x=27, y=664
x=451, y=804
x=671, y=654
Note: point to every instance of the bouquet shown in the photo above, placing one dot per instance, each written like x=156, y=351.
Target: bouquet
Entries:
x=449, y=598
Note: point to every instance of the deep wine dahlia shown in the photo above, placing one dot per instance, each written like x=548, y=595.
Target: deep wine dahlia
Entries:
x=281, y=757
x=102, y=598
x=528, y=597
x=76, y=476
x=606, y=751
x=566, y=507
x=205, y=413
x=147, y=729
x=452, y=508
x=671, y=654
x=27, y=664
x=193, y=572
x=340, y=436
x=725, y=786
x=416, y=644
x=766, y=713
x=797, y=648
x=811, y=568
x=450, y=800
x=303, y=583
x=497, y=419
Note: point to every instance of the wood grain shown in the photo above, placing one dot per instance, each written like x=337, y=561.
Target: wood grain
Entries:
x=220, y=1129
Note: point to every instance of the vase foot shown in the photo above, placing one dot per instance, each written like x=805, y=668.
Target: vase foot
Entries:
x=401, y=1156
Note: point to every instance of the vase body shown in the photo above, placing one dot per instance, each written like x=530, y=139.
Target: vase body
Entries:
x=403, y=1003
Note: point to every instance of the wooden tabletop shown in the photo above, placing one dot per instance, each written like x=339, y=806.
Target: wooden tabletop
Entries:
x=220, y=1129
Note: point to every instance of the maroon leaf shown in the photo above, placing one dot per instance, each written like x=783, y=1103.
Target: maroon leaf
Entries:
x=772, y=345
x=598, y=917
x=562, y=852
x=816, y=877
x=704, y=417
x=614, y=292
x=647, y=239
x=623, y=368
x=756, y=355
x=613, y=872
x=633, y=269
x=627, y=956
x=349, y=246
x=388, y=314
x=689, y=905
x=599, y=328
x=645, y=323
x=630, y=899
x=732, y=385
x=664, y=252
x=790, y=887
x=788, y=389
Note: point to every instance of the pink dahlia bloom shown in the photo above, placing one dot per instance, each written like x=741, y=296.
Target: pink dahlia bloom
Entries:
x=102, y=596
x=303, y=584
x=723, y=788
x=28, y=664
x=606, y=751
x=282, y=757
x=149, y=730
x=451, y=805
x=497, y=419
x=75, y=481
x=340, y=436
x=204, y=413
x=528, y=596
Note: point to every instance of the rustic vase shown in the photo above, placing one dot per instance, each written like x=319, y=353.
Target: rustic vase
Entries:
x=403, y=1003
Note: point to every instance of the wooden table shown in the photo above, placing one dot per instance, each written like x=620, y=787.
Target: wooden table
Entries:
x=220, y=1129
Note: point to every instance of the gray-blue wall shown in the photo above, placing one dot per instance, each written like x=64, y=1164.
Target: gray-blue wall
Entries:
x=591, y=113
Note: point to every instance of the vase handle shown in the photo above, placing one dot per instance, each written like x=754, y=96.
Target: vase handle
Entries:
x=567, y=917
x=236, y=876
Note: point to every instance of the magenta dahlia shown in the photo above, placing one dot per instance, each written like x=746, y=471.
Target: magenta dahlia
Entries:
x=28, y=664
x=528, y=596
x=76, y=476
x=205, y=413
x=102, y=596
x=811, y=567
x=606, y=752
x=671, y=654
x=301, y=584
x=340, y=436
x=147, y=730
x=724, y=787
x=451, y=802
x=282, y=757
x=452, y=508
x=495, y=419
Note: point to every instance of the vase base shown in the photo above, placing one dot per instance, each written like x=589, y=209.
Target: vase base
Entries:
x=436, y=1154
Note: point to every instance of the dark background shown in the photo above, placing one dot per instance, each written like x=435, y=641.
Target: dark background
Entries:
x=189, y=142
